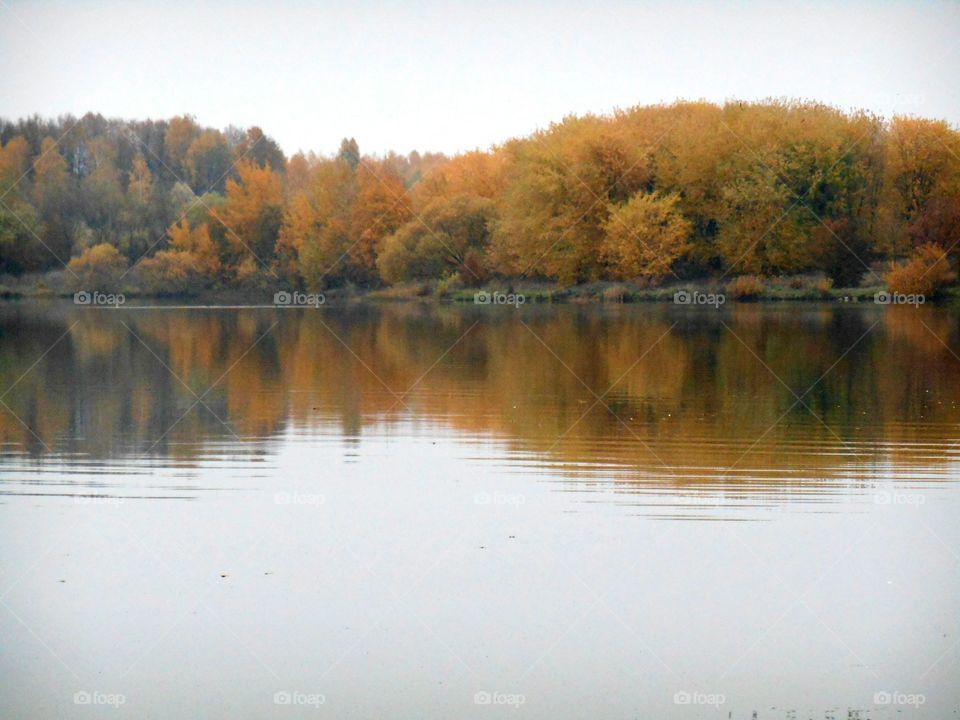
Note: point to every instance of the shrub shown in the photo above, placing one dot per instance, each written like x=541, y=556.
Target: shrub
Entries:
x=473, y=270
x=924, y=273
x=823, y=286
x=170, y=273
x=448, y=283
x=615, y=294
x=844, y=252
x=745, y=287
x=250, y=276
x=100, y=267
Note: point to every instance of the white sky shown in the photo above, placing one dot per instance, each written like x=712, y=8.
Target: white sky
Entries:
x=453, y=76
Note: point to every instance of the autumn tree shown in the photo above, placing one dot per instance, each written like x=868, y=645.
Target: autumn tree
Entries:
x=21, y=248
x=181, y=132
x=207, y=162
x=191, y=263
x=197, y=244
x=558, y=184
x=473, y=173
x=799, y=189
x=645, y=236
x=261, y=150
x=51, y=199
x=252, y=214
x=454, y=213
x=140, y=182
x=450, y=235
x=922, y=183
x=349, y=152
x=938, y=223
x=316, y=227
x=298, y=174
x=14, y=161
x=380, y=208
x=101, y=193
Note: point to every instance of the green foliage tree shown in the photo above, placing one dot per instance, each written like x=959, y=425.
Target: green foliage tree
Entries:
x=207, y=162
x=450, y=234
x=261, y=150
x=349, y=152
x=21, y=247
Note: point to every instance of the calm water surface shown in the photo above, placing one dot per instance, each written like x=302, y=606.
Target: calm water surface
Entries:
x=479, y=512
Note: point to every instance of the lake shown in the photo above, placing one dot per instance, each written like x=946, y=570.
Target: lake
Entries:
x=436, y=511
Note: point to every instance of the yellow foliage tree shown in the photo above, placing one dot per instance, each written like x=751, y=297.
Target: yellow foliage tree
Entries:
x=181, y=132
x=252, y=213
x=645, y=236
x=14, y=157
x=380, y=208
x=315, y=232
x=197, y=244
x=140, y=184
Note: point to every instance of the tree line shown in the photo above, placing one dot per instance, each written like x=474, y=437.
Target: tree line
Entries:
x=648, y=194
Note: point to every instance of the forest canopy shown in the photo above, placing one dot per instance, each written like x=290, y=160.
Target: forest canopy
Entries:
x=648, y=194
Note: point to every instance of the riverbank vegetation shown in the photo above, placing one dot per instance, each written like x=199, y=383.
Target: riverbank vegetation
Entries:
x=740, y=196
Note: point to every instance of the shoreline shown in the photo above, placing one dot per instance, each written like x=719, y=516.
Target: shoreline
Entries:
x=599, y=293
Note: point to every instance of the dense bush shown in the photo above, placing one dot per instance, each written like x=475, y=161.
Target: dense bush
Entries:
x=100, y=267
x=615, y=294
x=926, y=272
x=449, y=234
x=170, y=273
x=745, y=287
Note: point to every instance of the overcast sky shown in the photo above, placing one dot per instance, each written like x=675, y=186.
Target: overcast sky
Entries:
x=454, y=76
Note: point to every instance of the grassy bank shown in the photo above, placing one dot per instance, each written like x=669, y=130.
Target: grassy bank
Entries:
x=794, y=289
x=801, y=288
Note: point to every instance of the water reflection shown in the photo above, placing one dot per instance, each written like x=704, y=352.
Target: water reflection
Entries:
x=403, y=507
x=750, y=402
